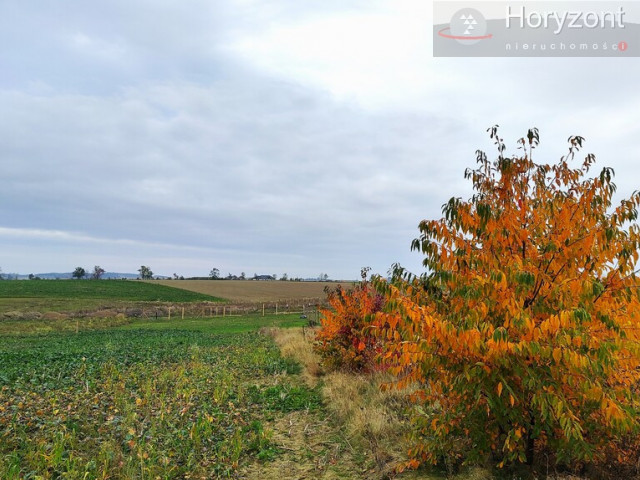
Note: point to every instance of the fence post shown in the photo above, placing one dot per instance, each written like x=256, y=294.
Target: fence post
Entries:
x=169, y=313
x=182, y=313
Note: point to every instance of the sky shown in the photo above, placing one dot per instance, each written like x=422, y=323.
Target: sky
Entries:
x=265, y=136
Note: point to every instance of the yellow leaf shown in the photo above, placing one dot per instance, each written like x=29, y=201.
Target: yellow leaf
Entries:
x=499, y=388
x=557, y=355
x=512, y=400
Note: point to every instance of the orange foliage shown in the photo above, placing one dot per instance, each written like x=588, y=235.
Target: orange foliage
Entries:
x=524, y=334
x=344, y=341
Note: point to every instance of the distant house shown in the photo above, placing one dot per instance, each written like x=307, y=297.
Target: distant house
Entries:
x=263, y=277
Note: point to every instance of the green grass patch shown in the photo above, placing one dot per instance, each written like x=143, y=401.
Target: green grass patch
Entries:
x=125, y=290
x=179, y=399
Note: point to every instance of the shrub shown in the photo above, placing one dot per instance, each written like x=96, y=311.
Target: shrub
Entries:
x=344, y=340
x=523, y=335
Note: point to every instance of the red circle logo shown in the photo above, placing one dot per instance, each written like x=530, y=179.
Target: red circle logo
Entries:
x=622, y=46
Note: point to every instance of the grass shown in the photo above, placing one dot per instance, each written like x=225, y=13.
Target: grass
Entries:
x=145, y=400
x=120, y=290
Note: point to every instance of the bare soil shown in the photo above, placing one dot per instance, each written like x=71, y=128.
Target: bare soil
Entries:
x=255, y=291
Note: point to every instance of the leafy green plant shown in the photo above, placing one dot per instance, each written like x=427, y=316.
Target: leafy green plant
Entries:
x=163, y=399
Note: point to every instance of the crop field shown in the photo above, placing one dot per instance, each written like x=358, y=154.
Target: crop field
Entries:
x=151, y=399
x=103, y=289
x=253, y=291
x=59, y=295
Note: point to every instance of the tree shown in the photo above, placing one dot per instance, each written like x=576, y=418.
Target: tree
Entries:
x=523, y=334
x=243, y=276
x=145, y=273
x=97, y=272
x=214, y=274
x=284, y=277
x=79, y=273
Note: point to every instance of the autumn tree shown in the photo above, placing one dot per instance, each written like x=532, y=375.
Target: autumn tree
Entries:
x=523, y=334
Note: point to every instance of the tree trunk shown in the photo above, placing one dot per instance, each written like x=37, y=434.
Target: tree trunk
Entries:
x=530, y=441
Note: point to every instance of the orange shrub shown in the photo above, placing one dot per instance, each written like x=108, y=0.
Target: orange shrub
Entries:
x=344, y=340
x=524, y=335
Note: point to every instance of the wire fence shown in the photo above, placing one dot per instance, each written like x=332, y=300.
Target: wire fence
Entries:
x=305, y=307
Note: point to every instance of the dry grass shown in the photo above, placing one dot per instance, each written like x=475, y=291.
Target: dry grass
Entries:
x=373, y=420
x=296, y=343
x=253, y=291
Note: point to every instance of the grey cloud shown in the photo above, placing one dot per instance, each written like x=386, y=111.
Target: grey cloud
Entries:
x=132, y=122
x=268, y=167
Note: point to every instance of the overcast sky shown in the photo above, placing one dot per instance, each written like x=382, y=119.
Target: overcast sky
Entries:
x=264, y=136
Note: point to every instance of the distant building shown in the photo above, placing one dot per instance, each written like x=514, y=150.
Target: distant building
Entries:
x=263, y=277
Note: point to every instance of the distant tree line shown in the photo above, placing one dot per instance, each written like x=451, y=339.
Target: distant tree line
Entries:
x=145, y=273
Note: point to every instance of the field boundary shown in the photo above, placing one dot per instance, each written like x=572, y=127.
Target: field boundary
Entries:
x=304, y=307
x=308, y=307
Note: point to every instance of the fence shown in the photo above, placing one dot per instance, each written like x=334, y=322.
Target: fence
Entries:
x=307, y=307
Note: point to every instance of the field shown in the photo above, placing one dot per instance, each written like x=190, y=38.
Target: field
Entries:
x=253, y=291
x=61, y=295
x=165, y=399
x=146, y=398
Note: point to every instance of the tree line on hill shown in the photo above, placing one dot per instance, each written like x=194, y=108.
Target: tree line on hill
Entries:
x=145, y=273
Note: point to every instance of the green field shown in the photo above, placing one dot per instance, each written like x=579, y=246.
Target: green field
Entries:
x=146, y=400
x=125, y=290
x=88, y=295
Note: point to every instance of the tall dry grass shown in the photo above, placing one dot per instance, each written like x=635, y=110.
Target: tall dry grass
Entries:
x=375, y=420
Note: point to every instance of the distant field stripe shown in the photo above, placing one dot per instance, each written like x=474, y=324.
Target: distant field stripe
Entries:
x=129, y=290
x=254, y=291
